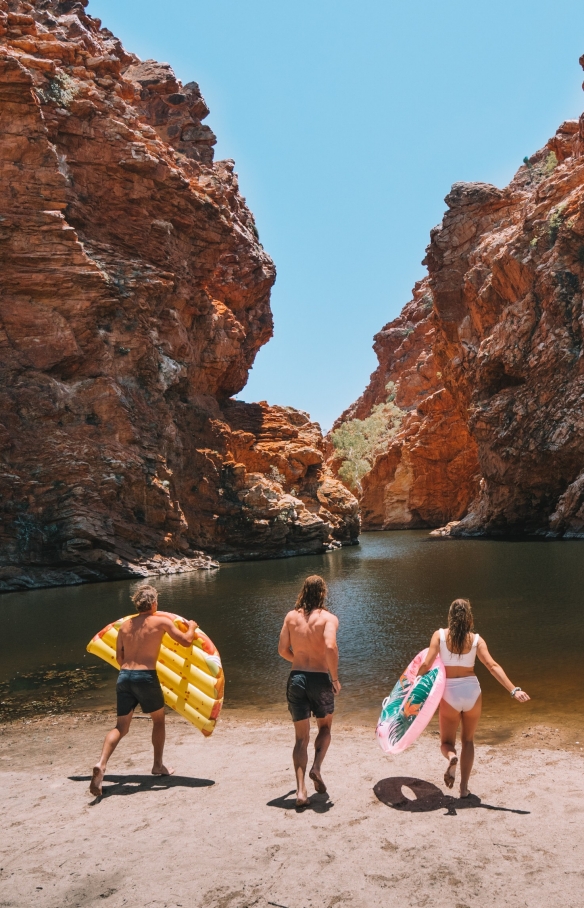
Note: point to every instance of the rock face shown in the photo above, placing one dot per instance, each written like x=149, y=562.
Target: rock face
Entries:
x=428, y=473
x=488, y=362
x=134, y=298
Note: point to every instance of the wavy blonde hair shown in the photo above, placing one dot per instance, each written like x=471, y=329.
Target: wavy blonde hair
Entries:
x=145, y=597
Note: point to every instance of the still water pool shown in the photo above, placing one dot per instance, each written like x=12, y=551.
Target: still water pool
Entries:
x=389, y=593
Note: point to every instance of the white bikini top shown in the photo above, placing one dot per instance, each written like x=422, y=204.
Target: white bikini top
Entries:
x=466, y=660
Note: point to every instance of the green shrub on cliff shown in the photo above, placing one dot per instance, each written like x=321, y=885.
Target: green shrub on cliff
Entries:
x=551, y=162
x=359, y=441
x=555, y=221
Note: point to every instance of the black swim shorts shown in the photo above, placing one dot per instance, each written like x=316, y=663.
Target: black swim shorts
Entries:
x=138, y=686
x=310, y=692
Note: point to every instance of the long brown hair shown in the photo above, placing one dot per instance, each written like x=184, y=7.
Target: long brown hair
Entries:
x=312, y=595
x=460, y=624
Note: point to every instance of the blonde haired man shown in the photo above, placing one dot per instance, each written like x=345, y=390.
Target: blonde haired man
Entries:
x=138, y=645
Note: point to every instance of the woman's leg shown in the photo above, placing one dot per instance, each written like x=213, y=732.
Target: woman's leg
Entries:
x=470, y=720
x=449, y=721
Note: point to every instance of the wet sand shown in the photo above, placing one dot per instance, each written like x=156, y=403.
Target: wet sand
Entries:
x=223, y=832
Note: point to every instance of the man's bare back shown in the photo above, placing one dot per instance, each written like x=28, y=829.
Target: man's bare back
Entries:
x=139, y=639
x=308, y=640
x=311, y=639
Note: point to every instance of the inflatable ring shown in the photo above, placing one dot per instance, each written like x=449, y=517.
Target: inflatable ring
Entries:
x=410, y=706
x=192, y=677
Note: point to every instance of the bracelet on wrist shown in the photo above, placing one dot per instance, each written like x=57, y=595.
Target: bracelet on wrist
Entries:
x=515, y=691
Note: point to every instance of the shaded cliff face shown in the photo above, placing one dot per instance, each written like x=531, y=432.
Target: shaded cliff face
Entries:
x=134, y=298
x=487, y=362
x=506, y=268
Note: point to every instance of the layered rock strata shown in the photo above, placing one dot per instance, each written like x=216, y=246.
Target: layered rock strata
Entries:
x=134, y=296
x=488, y=362
x=427, y=473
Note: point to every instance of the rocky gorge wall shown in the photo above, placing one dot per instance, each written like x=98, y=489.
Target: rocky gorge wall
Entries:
x=134, y=296
x=487, y=364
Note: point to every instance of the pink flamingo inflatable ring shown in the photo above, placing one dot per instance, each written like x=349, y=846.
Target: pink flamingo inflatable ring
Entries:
x=410, y=706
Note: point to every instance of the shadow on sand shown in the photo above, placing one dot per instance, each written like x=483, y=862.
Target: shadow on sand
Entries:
x=127, y=785
x=427, y=797
x=319, y=803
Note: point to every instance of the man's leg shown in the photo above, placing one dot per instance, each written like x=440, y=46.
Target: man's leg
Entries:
x=300, y=757
x=112, y=739
x=321, y=745
x=158, y=739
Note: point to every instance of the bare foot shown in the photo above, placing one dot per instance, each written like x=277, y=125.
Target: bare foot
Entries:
x=162, y=770
x=464, y=793
x=301, y=803
x=450, y=774
x=96, y=779
x=317, y=779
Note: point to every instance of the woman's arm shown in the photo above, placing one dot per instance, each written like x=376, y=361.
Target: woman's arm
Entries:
x=431, y=655
x=498, y=673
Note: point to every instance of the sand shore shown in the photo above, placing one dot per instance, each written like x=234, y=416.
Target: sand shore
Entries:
x=223, y=832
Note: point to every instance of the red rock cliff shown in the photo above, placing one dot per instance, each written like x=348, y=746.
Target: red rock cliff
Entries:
x=488, y=363
x=134, y=298
x=426, y=472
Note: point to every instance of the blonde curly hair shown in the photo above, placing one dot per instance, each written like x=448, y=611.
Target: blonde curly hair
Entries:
x=145, y=597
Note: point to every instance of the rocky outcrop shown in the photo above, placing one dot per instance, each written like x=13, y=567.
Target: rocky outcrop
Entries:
x=134, y=296
x=488, y=362
x=427, y=472
x=507, y=269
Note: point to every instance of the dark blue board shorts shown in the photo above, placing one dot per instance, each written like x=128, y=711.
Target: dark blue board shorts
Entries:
x=310, y=692
x=138, y=686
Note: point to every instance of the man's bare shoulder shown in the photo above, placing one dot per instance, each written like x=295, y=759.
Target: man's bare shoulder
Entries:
x=292, y=616
x=327, y=619
x=126, y=625
x=160, y=621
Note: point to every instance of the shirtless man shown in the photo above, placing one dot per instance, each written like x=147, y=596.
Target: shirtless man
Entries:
x=309, y=641
x=138, y=645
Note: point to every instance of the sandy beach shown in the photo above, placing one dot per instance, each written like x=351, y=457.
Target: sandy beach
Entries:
x=223, y=831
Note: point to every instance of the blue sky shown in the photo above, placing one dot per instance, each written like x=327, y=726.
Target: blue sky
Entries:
x=348, y=122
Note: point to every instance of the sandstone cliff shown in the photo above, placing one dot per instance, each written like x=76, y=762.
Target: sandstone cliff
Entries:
x=134, y=296
x=425, y=472
x=488, y=365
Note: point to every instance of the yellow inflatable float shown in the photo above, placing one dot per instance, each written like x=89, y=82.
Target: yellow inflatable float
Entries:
x=192, y=677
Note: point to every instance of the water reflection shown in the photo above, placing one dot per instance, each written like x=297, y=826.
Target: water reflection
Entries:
x=390, y=593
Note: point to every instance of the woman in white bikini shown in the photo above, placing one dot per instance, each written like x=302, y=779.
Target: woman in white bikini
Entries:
x=462, y=698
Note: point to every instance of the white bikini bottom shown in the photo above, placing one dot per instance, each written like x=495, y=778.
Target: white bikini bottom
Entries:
x=462, y=693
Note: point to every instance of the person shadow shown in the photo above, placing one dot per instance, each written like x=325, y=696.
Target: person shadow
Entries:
x=134, y=784
x=427, y=797
x=319, y=803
